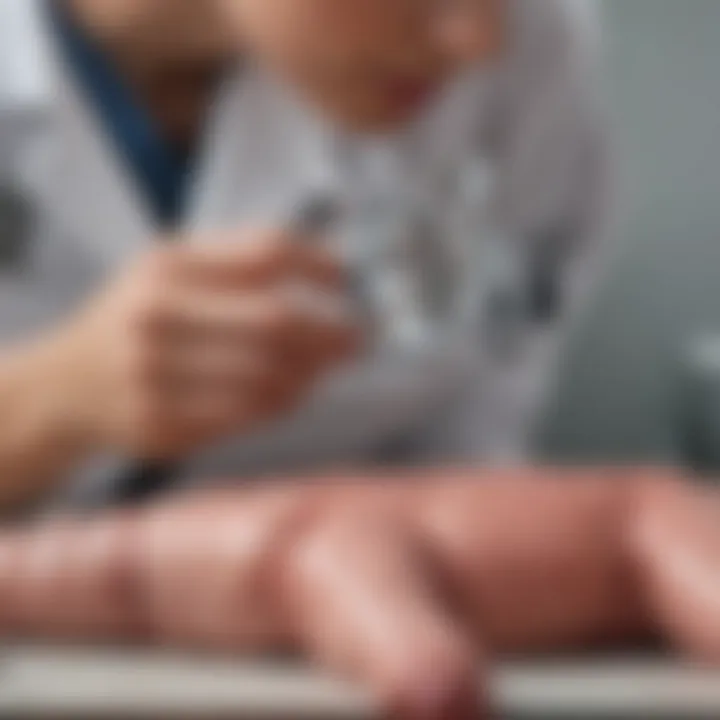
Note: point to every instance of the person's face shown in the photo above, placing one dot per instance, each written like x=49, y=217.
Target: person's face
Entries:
x=369, y=64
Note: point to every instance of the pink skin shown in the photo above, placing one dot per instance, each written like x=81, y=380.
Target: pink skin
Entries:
x=403, y=586
x=369, y=64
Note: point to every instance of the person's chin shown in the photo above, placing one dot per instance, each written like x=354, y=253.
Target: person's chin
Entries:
x=383, y=118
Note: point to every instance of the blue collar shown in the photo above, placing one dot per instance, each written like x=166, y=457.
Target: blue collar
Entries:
x=161, y=172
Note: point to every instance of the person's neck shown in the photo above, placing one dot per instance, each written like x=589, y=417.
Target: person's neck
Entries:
x=173, y=77
x=177, y=96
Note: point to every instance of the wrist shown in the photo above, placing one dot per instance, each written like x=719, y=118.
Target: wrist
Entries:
x=63, y=392
x=42, y=409
x=72, y=580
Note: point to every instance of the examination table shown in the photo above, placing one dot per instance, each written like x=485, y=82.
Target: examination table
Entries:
x=91, y=684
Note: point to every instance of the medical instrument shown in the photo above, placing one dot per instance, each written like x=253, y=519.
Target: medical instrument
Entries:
x=311, y=218
x=314, y=220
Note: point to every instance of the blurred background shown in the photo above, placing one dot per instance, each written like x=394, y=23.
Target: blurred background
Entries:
x=641, y=378
x=633, y=387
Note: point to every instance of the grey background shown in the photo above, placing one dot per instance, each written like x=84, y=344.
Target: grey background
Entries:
x=620, y=390
x=620, y=385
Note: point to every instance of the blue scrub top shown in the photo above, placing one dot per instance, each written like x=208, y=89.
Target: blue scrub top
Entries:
x=161, y=172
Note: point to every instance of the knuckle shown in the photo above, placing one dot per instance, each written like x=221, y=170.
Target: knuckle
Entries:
x=285, y=396
x=264, y=387
x=253, y=393
x=273, y=244
x=280, y=319
x=257, y=372
x=160, y=444
x=271, y=250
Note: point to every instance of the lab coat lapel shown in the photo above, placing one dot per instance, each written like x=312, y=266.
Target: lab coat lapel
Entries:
x=80, y=179
x=263, y=152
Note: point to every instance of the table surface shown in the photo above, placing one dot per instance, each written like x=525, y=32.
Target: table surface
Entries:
x=41, y=682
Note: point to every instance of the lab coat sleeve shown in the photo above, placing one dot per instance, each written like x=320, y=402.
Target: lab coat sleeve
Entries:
x=553, y=165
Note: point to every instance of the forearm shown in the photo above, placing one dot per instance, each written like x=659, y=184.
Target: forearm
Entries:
x=211, y=569
x=541, y=557
x=71, y=579
x=39, y=441
x=201, y=570
x=400, y=585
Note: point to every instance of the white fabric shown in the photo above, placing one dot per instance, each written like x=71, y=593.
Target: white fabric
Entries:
x=531, y=125
x=554, y=172
x=23, y=77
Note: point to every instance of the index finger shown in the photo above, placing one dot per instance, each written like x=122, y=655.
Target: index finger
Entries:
x=257, y=259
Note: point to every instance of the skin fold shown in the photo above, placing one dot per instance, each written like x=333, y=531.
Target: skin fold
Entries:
x=405, y=585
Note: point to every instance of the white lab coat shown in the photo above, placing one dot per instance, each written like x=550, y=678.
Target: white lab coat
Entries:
x=533, y=122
